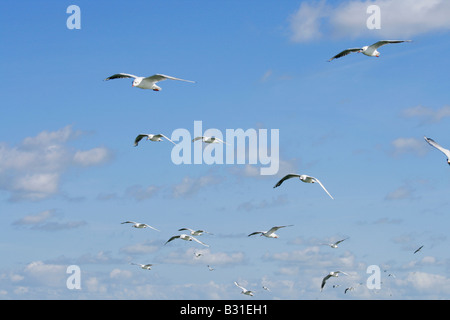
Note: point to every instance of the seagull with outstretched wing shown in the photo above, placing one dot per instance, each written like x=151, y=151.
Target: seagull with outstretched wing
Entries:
x=270, y=233
x=370, y=51
x=303, y=177
x=186, y=238
x=151, y=137
x=439, y=147
x=146, y=82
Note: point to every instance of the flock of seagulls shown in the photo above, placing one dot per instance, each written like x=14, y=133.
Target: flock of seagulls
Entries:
x=150, y=84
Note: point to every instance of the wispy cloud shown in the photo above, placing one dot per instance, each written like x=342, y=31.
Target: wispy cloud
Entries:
x=401, y=146
x=43, y=221
x=427, y=114
x=399, y=18
x=32, y=170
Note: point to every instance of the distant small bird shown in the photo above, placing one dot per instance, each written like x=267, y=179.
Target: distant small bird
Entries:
x=151, y=137
x=370, y=51
x=139, y=225
x=437, y=146
x=328, y=276
x=418, y=249
x=210, y=268
x=186, y=238
x=143, y=266
x=146, y=82
x=303, y=177
x=335, y=244
x=198, y=254
x=194, y=232
x=265, y=288
x=244, y=291
x=348, y=289
x=209, y=139
x=270, y=233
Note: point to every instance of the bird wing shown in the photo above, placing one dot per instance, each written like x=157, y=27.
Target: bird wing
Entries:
x=273, y=229
x=120, y=76
x=240, y=287
x=418, y=249
x=438, y=146
x=324, y=280
x=317, y=180
x=163, y=136
x=256, y=232
x=344, y=53
x=139, y=138
x=183, y=229
x=220, y=140
x=161, y=77
x=337, y=242
x=151, y=227
x=197, y=138
x=286, y=177
x=378, y=44
x=128, y=222
x=173, y=238
x=195, y=239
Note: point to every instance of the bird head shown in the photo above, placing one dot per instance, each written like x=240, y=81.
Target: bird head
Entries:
x=136, y=82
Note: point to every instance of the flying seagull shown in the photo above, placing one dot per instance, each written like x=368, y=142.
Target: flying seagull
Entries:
x=143, y=266
x=348, y=289
x=193, y=232
x=328, y=276
x=186, y=238
x=210, y=268
x=335, y=244
x=209, y=139
x=270, y=233
x=437, y=146
x=146, y=82
x=370, y=51
x=140, y=225
x=303, y=177
x=417, y=250
x=244, y=291
x=151, y=137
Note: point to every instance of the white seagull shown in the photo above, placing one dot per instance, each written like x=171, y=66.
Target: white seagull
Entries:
x=151, y=137
x=335, y=244
x=244, y=291
x=437, y=146
x=209, y=139
x=328, y=276
x=303, y=177
x=194, y=232
x=370, y=51
x=210, y=268
x=186, y=238
x=139, y=225
x=146, y=82
x=143, y=266
x=270, y=233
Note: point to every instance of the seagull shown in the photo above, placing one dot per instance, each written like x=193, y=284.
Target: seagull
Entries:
x=265, y=288
x=197, y=254
x=305, y=178
x=139, y=225
x=244, y=291
x=146, y=82
x=193, y=232
x=437, y=146
x=270, y=233
x=417, y=250
x=370, y=51
x=348, y=289
x=209, y=139
x=143, y=266
x=328, y=276
x=151, y=137
x=334, y=245
x=210, y=268
x=186, y=238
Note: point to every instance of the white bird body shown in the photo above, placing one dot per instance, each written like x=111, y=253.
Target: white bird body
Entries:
x=151, y=137
x=370, y=51
x=270, y=233
x=303, y=177
x=209, y=139
x=328, y=276
x=186, y=238
x=139, y=225
x=143, y=266
x=244, y=291
x=439, y=147
x=146, y=82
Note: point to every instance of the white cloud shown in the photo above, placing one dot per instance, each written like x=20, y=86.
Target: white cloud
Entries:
x=190, y=186
x=426, y=114
x=409, y=145
x=399, y=18
x=32, y=170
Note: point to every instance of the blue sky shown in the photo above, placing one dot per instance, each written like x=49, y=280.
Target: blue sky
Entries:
x=69, y=173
